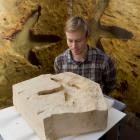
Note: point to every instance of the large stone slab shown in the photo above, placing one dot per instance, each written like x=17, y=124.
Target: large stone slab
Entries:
x=61, y=105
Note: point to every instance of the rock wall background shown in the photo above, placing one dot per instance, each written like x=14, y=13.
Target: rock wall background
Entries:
x=31, y=36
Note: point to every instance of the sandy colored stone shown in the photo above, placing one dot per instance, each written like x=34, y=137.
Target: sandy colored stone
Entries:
x=45, y=55
x=122, y=18
x=118, y=19
x=126, y=55
x=61, y=105
x=14, y=15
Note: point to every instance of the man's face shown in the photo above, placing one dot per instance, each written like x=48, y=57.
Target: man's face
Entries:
x=77, y=42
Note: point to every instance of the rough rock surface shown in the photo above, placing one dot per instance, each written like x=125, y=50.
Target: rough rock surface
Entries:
x=33, y=25
x=61, y=105
x=34, y=36
x=126, y=55
x=121, y=18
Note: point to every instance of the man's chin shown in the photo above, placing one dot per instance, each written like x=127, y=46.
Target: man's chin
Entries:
x=76, y=53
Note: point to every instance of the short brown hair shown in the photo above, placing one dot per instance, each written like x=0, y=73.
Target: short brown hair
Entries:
x=77, y=23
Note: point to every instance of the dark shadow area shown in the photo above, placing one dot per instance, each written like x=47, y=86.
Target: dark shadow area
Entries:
x=120, y=33
x=99, y=45
x=128, y=133
x=32, y=58
x=137, y=56
x=138, y=114
x=43, y=38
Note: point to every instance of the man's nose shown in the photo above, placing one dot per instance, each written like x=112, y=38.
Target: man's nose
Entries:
x=73, y=44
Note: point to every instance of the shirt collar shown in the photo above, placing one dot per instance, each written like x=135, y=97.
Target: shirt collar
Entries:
x=88, y=57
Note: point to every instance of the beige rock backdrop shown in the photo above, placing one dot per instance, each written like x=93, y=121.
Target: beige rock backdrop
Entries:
x=31, y=35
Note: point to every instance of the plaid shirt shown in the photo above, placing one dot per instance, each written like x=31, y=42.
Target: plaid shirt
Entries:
x=97, y=67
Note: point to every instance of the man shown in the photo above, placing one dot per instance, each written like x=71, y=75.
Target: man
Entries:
x=81, y=59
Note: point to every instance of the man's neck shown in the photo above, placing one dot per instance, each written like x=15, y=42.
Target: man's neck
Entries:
x=81, y=57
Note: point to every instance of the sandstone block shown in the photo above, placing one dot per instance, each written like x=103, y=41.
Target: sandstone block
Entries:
x=61, y=105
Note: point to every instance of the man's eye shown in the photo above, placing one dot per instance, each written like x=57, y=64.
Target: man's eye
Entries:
x=78, y=40
x=70, y=41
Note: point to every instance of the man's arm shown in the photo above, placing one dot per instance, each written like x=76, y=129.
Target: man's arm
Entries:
x=56, y=68
x=109, y=77
x=57, y=65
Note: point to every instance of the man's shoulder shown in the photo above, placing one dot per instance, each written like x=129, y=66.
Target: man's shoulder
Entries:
x=97, y=51
x=63, y=55
x=99, y=55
